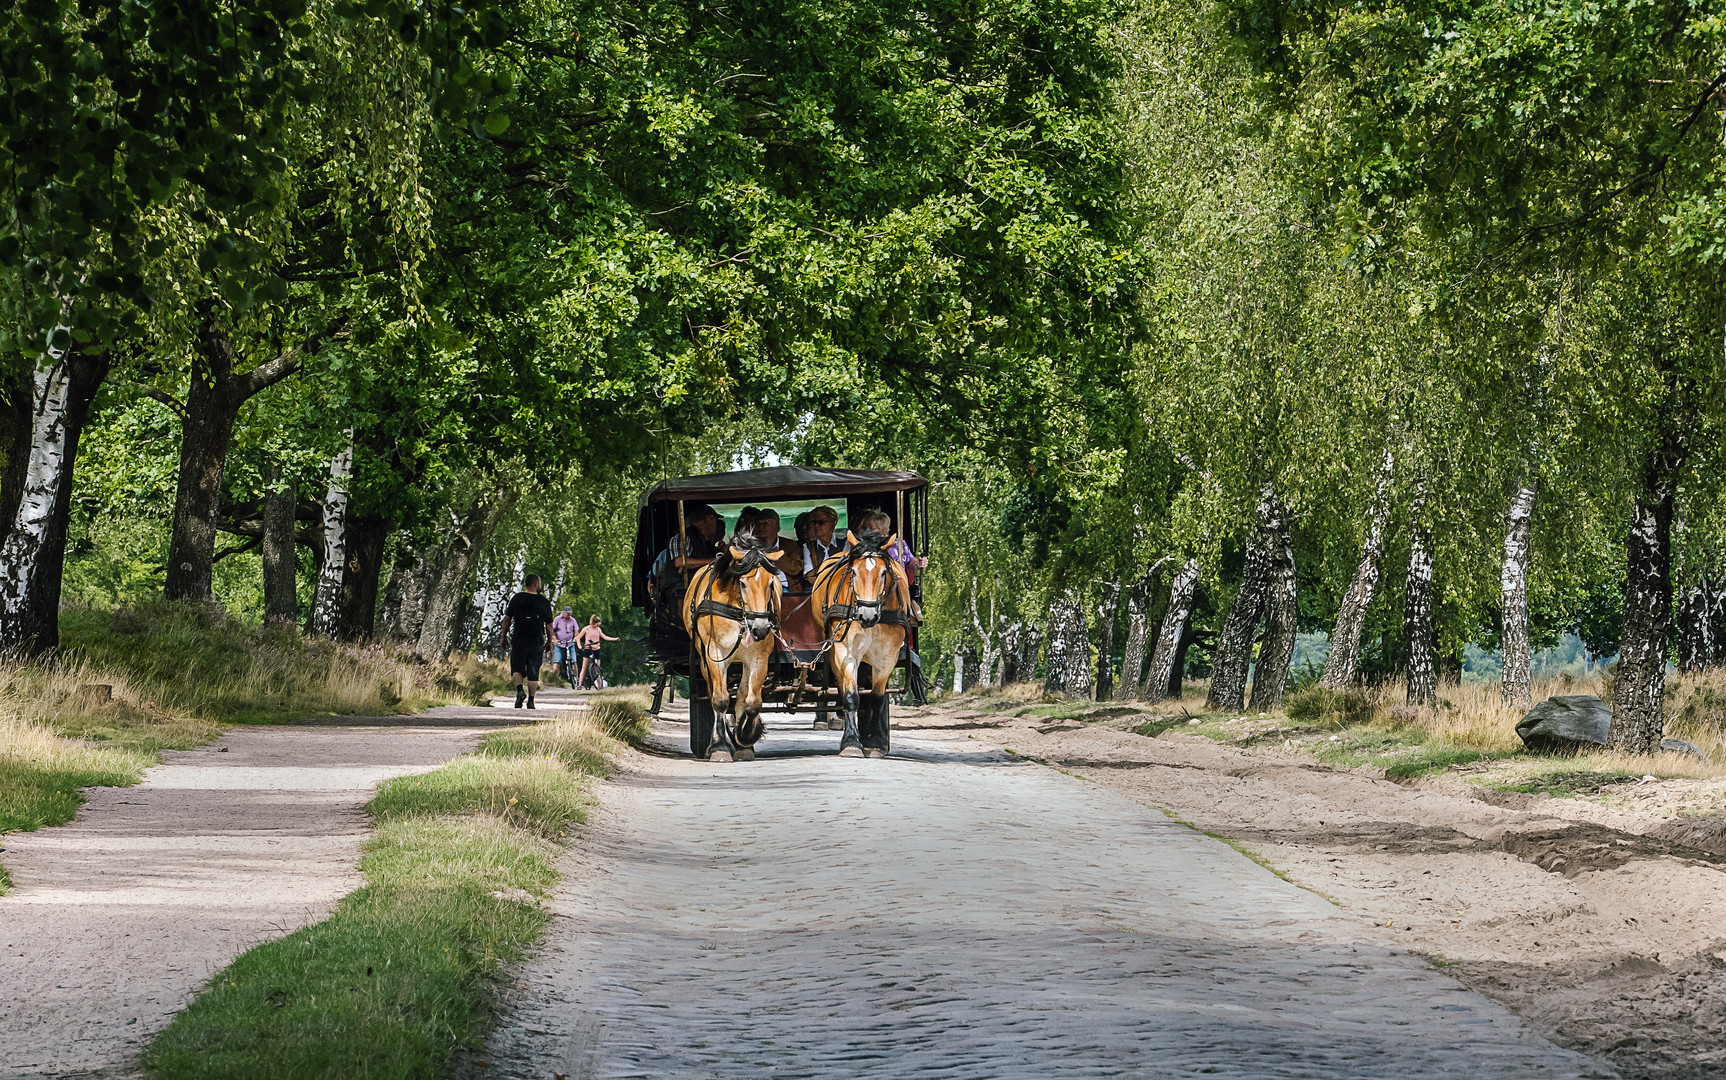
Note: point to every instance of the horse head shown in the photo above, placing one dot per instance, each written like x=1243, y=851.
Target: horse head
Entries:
x=871, y=576
x=748, y=567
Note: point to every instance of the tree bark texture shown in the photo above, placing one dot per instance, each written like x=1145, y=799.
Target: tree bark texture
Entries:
x=207, y=431
x=1518, y=686
x=1010, y=633
x=33, y=548
x=1343, y=663
x=1235, y=645
x=1138, y=629
x=1417, y=621
x=989, y=640
x=1282, y=611
x=362, y=568
x=1166, y=655
x=451, y=575
x=1106, y=611
x=281, y=594
x=1178, y=671
x=326, y=601
x=500, y=585
x=1030, y=644
x=1639, y=686
x=1701, y=619
x=1069, y=647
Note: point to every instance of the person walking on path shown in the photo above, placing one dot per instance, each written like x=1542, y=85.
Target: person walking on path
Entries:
x=530, y=614
x=591, y=636
x=563, y=631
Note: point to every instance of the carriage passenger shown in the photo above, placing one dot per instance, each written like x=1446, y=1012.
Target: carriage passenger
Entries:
x=706, y=529
x=820, y=543
x=875, y=520
x=764, y=526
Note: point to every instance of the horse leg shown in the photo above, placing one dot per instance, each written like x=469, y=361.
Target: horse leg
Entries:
x=851, y=743
x=750, y=726
x=876, y=733
x=721, y=749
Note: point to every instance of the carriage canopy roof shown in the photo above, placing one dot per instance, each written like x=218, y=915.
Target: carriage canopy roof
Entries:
x=781, y=482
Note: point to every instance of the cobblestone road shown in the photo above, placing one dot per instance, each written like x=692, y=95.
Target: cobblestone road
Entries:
x=953, y=912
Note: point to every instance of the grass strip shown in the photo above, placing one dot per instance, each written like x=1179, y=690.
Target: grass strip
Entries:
x=403, y=974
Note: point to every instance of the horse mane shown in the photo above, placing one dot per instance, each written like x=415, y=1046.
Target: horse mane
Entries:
x=871, y=542
x=754, y=555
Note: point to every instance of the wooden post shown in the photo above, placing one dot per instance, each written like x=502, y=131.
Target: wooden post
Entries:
x=683, y=540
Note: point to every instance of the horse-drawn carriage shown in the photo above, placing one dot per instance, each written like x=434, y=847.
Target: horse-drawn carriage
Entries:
x=796, y=667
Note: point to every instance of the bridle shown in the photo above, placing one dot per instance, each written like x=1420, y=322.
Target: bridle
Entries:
x=754, y=558
x=870, y=545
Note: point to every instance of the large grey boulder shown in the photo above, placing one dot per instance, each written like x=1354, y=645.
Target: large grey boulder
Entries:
x=1566, y=723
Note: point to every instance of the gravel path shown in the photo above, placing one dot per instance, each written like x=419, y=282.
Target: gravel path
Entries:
x=117, y=919
x=955, y=912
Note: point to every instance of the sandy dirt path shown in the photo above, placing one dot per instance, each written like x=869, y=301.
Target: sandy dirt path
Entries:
x=118, y=918
x=1601, y=923
x=954, y=911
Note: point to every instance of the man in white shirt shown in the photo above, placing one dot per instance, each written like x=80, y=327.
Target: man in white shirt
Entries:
x=822, y=543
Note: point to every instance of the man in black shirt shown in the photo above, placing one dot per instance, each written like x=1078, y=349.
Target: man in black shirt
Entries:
x=530, y=613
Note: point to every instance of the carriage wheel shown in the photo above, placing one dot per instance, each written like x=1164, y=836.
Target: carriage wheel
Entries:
x=700, y=721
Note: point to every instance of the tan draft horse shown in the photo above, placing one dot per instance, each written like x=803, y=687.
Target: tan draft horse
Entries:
x=732, y=614
x=864, y=599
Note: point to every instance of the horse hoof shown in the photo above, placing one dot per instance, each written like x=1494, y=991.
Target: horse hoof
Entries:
x=745, y=754
x=871, y=752
x=835, y=725
x=721, y=756
x=820, y=725
x=851, y=751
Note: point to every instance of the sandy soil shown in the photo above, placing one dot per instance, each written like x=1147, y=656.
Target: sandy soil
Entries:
x=1604, y=926
x=118, y=918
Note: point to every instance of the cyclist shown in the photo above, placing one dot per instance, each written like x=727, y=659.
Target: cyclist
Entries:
x=589, y=641
x=563, y=631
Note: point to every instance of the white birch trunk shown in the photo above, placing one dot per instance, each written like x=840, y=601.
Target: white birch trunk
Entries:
x=1174, y=626
x=491, y=621
x=1138, y=628
x=20, y=555
x=1343, y=663
x=1069, y=647
x=1282, y=610
x=326, y=600
x=1417, y=623
x=1518, y=687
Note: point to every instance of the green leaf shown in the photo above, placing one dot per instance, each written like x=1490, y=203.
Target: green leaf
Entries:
x=497, y=123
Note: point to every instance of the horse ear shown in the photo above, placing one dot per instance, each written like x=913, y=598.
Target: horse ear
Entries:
x=850, y=537
x=736, y=553
x=891, y=540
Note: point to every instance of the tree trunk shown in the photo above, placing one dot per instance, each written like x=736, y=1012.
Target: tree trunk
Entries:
x=499, y=588
x=1069, y=647
x=988, y=641
x=33, y=551
x=1165, y=658
x=1030, y=644
x=281, y=594
x=1179, y=669
x=1106, y=609
x=1235, y=646
x=1639, y=687
x=1009, y=635
x=1138, y=627
x=1343, y=662
x=326, y=602
x=363, y=566
x=1518, y=687
x=1417, y=621
x=448, y=588
x=1282, y=612
x=1701, y=608
x=207, y=431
